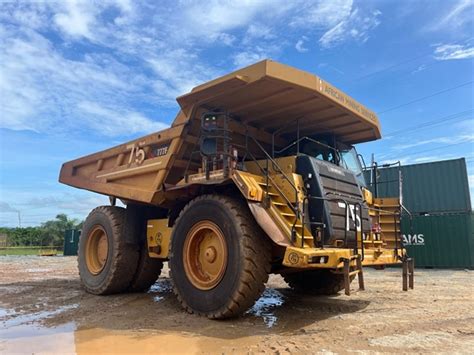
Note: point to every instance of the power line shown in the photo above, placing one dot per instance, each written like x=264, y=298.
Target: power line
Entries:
x=430, y=123
x=462, y=42
x=425, y=97
x=363, y=77
x=432, y=149
x=441, y=147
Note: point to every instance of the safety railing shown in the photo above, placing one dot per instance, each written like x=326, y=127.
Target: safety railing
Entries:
x=265, y=171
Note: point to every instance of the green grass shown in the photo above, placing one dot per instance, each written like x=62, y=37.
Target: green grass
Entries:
x=29, y=251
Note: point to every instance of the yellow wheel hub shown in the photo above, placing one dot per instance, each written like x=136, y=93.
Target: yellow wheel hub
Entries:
x=97, y=250
x=205, y=255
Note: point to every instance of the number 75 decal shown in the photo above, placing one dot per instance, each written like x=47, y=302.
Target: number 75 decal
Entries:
x=137, y=154
x=353, y=216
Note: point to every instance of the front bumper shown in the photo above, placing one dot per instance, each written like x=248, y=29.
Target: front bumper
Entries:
x=332, y=258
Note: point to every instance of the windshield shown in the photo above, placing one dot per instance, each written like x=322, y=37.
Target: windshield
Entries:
x=324, y=148
x=319, y=149
x=350, y=161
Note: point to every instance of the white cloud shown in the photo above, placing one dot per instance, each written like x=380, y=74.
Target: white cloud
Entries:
x=226, y=39
x=39, y=207
x=41, y=89
x=212, y=17
x=439, y=140
x=271, y=20
x=243, y=59
x=258, y=32
x=255, y=54
x=453, y=51
x=112, y=123
x=417, y=143
x=76, y=18
x=299, y=46
x=78, y=203
x=177, y=72
x=356, y=26
x=323, y=14
x=454, y=18
x=458, y=15
x=419, y=69
x=125, y=58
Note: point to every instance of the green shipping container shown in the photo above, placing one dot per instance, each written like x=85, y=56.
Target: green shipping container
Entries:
x=437, y=187
x=71, y=241
x=440, y=241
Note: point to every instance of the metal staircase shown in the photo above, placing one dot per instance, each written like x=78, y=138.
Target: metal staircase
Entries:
x=285, y=214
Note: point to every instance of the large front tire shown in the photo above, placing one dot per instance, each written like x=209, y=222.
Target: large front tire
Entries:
x=107, y=261
x=219, y=258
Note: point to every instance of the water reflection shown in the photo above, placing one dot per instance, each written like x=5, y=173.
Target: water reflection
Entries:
x=266, y=305
x=22, y=319
x=22, y=334
x=161, y=289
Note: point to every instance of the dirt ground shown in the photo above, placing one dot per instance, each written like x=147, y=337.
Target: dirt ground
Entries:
x=43, y=309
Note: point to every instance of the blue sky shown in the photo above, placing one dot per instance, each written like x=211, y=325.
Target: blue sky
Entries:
x=80, y=76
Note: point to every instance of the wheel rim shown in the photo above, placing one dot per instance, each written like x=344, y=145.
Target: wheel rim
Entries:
x=97, y=250
x=205, y=255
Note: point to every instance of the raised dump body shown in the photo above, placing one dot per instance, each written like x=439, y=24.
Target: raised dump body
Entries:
x=256, y=174
x=264, y=99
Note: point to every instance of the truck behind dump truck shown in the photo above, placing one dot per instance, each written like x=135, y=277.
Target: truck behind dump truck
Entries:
x=256, y=175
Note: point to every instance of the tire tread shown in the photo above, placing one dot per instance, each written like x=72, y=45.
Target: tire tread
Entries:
x=124, y=258
x=256, y=256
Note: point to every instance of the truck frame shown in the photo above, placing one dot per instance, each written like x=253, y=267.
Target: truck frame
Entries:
x=256, y=175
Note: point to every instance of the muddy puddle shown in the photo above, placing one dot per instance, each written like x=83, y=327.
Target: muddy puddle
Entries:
x=38, y=332
x=69, y=339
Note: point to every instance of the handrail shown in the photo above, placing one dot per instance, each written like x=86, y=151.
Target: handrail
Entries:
x=296, y=210
x=311, y=140
x=267, y=176
x=361, y=217
x=406, y=210
x=274, y=163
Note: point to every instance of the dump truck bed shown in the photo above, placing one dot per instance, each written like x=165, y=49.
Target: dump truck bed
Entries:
x=267, y=100
x=269, y=94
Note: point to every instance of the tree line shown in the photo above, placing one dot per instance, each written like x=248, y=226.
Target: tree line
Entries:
x=49, y=233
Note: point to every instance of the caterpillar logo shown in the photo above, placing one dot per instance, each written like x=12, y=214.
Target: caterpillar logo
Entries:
x=413, y=239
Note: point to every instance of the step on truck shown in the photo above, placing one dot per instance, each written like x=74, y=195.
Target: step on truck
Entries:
x=256, y=175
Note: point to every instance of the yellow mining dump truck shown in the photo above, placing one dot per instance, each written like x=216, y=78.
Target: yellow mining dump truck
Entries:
x=256, y=175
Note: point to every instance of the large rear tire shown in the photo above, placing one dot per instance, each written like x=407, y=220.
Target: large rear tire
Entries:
x=315, y=282
x=107, y=261
x=219, y=258
x=148, y=269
